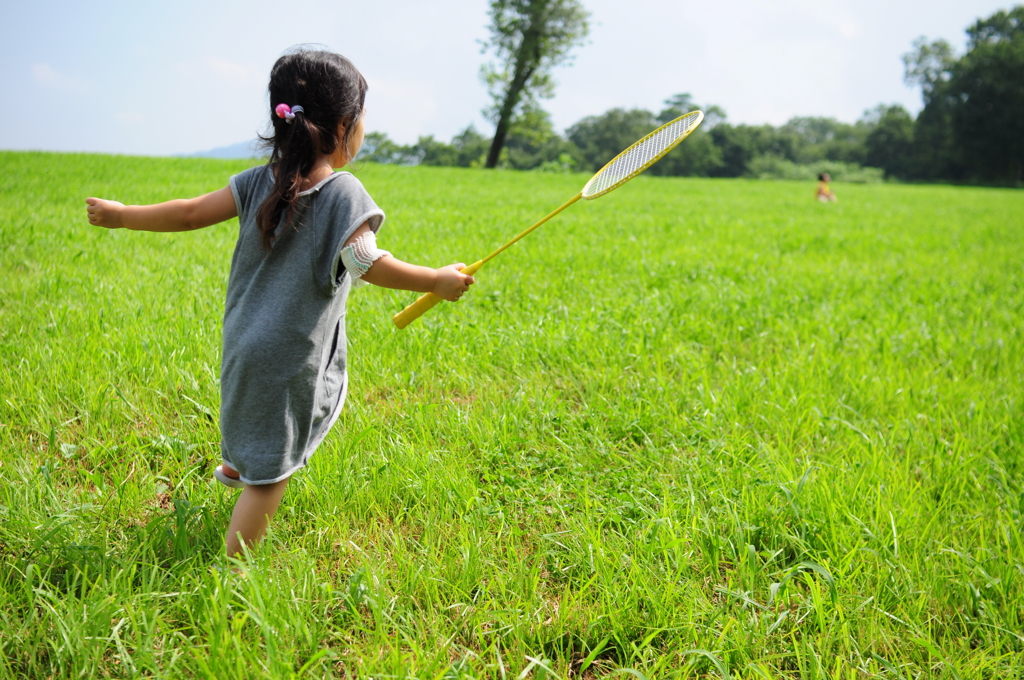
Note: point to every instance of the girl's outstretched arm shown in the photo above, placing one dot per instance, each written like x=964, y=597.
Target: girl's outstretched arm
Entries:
x=178, y=215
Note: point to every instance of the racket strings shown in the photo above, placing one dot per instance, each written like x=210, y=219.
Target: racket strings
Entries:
x=641, y=155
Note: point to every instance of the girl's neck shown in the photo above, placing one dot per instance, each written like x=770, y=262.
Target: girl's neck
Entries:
x=321, y=171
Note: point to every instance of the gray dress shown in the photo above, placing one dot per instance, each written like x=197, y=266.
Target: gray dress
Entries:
x=283, y=378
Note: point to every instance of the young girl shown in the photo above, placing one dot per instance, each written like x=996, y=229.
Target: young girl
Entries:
x=306, y=235
x=824, y=194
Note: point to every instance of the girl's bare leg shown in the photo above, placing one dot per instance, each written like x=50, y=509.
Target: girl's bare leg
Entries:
x=253, y=511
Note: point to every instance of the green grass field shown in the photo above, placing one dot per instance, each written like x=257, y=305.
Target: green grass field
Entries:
x=695, y=428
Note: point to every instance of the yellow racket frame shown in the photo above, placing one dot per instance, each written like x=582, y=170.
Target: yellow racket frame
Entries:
x=429, y=300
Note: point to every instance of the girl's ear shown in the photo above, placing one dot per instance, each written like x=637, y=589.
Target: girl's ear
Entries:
x=340, y=157
x=342, y=129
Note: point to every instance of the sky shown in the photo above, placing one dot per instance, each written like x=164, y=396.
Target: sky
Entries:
x=167, y=78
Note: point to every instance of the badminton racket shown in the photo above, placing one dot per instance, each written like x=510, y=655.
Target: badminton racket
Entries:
x=619, y=170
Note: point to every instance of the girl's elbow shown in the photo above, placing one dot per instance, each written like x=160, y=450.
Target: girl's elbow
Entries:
x=193, y=218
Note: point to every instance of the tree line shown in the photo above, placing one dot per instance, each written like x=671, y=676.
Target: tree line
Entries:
x=971, y=128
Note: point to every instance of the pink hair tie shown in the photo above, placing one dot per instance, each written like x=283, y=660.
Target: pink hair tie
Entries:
x=287, y=112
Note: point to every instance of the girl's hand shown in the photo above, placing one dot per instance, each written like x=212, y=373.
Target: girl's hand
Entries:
x=104, y=213
x=451, y=283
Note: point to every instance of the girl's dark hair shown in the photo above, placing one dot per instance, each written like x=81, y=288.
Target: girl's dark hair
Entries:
x=330, y=91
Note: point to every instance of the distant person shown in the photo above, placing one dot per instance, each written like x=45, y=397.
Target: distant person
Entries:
x=824, y=194
x=307, y=235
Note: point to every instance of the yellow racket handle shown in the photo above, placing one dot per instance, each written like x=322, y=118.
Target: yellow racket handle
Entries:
x=427, y=301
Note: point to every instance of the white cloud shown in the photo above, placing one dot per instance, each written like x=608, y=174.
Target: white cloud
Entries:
x=50, y=78
x=229, y=70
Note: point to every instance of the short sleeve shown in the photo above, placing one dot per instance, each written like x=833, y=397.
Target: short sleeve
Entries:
x=243, y=188
x=343, y=207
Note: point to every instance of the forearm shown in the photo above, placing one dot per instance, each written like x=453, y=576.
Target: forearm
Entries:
x=390, y=272
x=364, y=260
x=163, y=217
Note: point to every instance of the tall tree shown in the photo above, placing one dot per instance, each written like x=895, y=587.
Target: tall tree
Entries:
x=529, y=38
x=987, y=87
x=928, y=65
x=972, y=127
x=934, y=155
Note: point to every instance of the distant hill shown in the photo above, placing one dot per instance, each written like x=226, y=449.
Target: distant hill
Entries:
x=249, y=149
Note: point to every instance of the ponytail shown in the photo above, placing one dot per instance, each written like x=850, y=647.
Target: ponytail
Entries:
x=324, y=89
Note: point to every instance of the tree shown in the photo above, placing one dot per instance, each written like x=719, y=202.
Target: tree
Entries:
x=740, y=144
x=933, y=154
x=971, y=127
x=986, y=87
x=889, y=144
x=435, y=152
x=601, y=138
x=816, y=139
x=697, y=156
x=928, y=65
x=529, y=37
x=379, y=148
x=471, y=147
x=532, y=142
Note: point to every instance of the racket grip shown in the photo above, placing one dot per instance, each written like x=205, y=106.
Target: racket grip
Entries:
x=415, y=310
x=427, y=301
